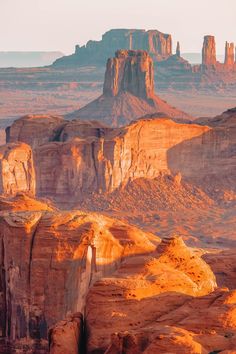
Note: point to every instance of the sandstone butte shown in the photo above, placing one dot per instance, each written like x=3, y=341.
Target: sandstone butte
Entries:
x=128, y=92
x=155, y=42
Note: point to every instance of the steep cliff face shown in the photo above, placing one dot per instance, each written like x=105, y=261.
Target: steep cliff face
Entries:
x=209, y=51
x=50, y=259
x=17, y=172
x=35, y=129
x=128, y=92
x=130, y=71
x=156, y=43
x=79, y=166
x=89, y=158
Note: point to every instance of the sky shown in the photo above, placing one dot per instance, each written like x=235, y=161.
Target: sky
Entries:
x=48, y=25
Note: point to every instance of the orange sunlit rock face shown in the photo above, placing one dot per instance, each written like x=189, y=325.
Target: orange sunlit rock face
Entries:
x=81, y=157
x=52, y=258
x=17, y=172
x=168, y=299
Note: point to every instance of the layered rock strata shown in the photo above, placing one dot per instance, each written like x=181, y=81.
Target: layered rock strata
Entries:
x=86, y=157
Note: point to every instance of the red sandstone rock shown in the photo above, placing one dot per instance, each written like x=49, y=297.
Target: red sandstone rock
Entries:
x=35, y=129
x=209, y=51
x=105, y=163
x=66, y=336
x=229, y=54
x=130, y=71
x=137, y=297
x=88, y=157
x=128, y=92
x=50, y=259
x=17, y=172
x=22, y=202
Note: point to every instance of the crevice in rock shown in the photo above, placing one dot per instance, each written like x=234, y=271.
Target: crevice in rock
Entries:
x=31, y=249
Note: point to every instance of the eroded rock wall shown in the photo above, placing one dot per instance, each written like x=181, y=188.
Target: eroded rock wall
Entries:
x=17, y=173
x=130, y=71
x=48, y=260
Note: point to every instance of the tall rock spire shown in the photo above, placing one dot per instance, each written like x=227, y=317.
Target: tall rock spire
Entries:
x=209, y=51
x=229, y=54
x=178, y=49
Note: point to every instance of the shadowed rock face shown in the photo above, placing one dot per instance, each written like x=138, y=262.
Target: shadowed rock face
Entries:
x=130, y=71
x=209, y=51
x=156, y=43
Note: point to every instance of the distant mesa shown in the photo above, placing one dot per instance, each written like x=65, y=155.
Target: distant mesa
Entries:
x=156, y=43
x=128, y=92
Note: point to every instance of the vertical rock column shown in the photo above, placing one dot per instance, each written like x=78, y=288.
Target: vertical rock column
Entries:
x=229, y=54
x=130, y=71
x=209, y=51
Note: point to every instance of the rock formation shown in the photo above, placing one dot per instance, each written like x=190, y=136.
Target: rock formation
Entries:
x=124, y=307
x=229, y=54
x=209, y=51
x=156, y=43
x=128, y=92
x=49, y=260
x=130, y=71
x=66, y=336
x=178, y=50
x=86, y=157
x=35, y=129
x=16, y=169
x=186, y=325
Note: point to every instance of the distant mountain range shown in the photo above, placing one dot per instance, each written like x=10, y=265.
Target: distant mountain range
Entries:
x=28, y=59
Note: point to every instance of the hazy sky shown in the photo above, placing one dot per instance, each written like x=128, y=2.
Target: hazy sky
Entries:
x=60, y=24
